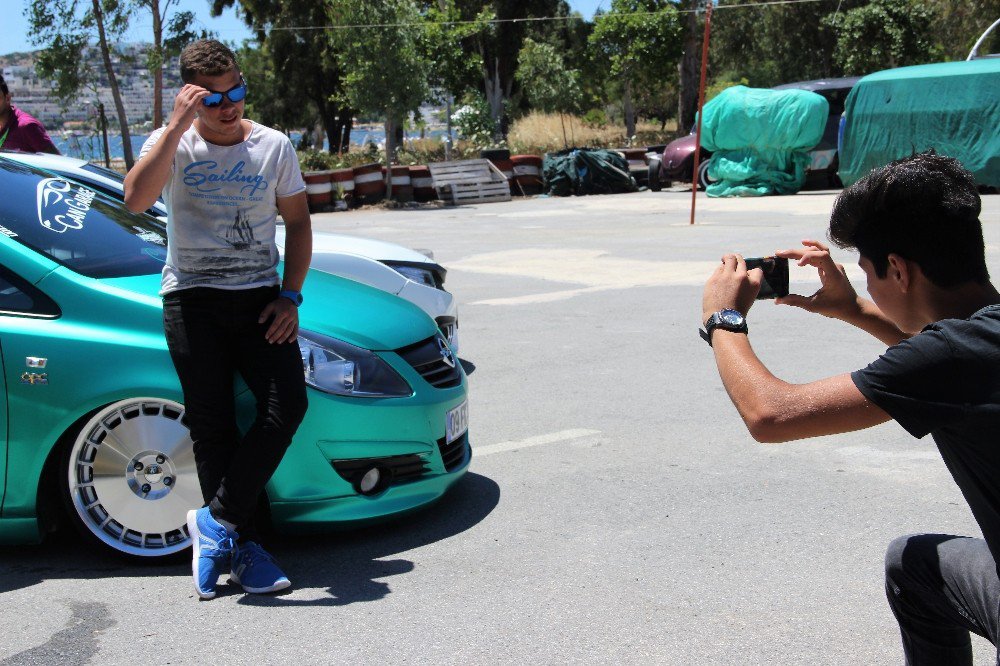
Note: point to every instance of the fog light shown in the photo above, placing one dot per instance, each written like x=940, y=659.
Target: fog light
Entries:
x=373, y=481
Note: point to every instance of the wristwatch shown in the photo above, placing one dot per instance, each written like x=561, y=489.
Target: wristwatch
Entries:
x=293, y=296
x=728, y=320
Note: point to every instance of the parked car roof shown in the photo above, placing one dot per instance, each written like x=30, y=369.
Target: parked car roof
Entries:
x=818, y=85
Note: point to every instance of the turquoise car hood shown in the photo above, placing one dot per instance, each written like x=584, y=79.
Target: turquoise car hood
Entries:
x=337, y=307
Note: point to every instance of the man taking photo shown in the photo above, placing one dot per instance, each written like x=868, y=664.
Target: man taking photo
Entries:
x=915, y=224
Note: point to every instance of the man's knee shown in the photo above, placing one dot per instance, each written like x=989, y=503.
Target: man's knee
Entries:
x=295, y=411
x=285, y=414
x=894, y=555
x=916, y=558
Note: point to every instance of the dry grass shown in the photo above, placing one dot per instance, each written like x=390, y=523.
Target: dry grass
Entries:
x=534, y=134
x=543, y=132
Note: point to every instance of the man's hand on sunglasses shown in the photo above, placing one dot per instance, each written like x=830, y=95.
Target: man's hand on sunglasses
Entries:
x=187, y=103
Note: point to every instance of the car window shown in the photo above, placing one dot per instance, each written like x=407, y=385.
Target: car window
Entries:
x=77, y=227
x=19, y=297
x=836, y=97
x=101, y=171
x=114, y=175
x=102, y=188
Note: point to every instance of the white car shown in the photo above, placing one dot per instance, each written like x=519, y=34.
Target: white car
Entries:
x=398, y=270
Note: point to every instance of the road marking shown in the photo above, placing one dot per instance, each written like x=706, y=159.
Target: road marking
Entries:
x=590, y=271
x=546, y=297
x=538, y=440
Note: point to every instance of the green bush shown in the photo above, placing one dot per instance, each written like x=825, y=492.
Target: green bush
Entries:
x=595, y=118
x=316, y=160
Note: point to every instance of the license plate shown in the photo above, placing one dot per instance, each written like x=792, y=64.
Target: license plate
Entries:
x=456, y=422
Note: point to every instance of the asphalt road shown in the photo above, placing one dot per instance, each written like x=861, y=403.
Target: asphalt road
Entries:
x=616, y=510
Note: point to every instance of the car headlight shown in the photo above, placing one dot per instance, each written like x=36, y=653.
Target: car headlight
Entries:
x=334, y=366
x=418, y=275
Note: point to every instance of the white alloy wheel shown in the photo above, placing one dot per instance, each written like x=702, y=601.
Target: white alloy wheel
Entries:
x=132, y=478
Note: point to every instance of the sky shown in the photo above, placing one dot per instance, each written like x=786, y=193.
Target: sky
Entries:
x=229, y=27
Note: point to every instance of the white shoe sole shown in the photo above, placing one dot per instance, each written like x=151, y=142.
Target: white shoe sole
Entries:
x=192, y=523
x=280, y=584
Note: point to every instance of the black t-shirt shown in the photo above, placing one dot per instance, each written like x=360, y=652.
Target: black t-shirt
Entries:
x=946, y=381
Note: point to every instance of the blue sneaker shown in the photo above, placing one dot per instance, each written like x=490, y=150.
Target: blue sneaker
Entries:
x=213, y=548
x=256, y=570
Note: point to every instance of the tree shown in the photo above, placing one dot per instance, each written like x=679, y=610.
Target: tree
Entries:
x=959, y=25
x=549, y=86
x=303, y=67
x=640, y=40
x=65, y=28
x=179, y=33
x=689, y=69
x=384, y=72
x=440, y=42
x=884, y=34
x=270, y=103
x=498, y=46
x=772, y=44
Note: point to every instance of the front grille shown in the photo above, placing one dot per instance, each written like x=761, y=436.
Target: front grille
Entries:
x=435, y=362
x=402, y=468
x=453, y=454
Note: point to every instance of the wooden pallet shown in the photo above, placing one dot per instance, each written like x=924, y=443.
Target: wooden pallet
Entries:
x=469, y=181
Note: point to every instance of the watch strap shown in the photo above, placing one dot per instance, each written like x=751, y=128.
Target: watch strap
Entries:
x=293, y=296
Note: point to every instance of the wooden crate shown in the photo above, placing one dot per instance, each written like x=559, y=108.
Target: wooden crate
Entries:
x=469, y=181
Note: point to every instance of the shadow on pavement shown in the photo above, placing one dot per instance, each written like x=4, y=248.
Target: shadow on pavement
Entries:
x=347, y=563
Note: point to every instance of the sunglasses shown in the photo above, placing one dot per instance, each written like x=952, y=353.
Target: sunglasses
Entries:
x=234, y=95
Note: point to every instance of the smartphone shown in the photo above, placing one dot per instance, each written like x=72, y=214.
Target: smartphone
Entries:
x=775, y=275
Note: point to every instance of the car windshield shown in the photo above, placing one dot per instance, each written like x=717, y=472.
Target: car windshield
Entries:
x=76, y=227
x=107, y=173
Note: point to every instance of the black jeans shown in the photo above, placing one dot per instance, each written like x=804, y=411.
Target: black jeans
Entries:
x=212, y=334
x=940, y=588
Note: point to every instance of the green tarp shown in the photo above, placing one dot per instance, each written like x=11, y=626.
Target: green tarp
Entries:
x=760, y=139
x=578, y=171
x=952, y=107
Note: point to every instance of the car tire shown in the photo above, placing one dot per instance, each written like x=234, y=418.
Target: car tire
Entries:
x=704, y=180
x=130, y=478
x=653, y=174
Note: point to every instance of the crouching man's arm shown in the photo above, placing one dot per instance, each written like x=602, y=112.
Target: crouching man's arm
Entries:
x=774, y=410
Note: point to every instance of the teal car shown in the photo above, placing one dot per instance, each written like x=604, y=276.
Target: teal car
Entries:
x=92, y=415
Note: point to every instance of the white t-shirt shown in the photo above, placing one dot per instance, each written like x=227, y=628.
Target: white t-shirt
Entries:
x=222, y=208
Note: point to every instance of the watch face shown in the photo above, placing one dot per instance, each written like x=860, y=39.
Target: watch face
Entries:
x=731, y=317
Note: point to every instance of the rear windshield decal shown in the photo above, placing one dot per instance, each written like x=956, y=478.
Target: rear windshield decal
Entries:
x=60, y=207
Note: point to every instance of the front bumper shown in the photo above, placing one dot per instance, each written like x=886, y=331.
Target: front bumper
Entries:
x=357, y=510
x=307, y=492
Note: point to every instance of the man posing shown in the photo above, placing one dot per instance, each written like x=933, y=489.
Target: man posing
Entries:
x=18, y=130
x=225, y=179
x=915, y=224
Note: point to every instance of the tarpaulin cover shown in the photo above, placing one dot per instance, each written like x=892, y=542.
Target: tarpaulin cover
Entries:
x=578, y=171
x=760, y=139
x=952, y=107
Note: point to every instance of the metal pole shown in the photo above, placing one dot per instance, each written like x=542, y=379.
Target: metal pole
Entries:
x=447, y=138
x=701, y=106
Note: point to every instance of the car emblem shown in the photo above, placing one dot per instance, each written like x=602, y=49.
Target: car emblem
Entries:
x=35, y=361
x=449, y=358
x=34, y=378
